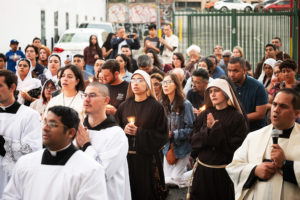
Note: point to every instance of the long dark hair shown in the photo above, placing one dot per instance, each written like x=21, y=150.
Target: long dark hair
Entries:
x=180, y=57
x=178, y=98
x=157, y=62
x=98, y=49
x=107, y=43
x=47, y=83
x=78, y=75
x=127, y=61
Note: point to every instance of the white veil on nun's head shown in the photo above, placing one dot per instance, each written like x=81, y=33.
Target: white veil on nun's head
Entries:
x=226, y=88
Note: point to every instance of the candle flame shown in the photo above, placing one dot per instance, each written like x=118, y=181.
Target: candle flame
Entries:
x=203, y=108
x=131, y=120
x=91, y=79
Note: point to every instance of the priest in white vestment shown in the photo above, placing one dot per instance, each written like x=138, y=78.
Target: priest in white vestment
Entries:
x=264, y=170
x=60, y=171
x=20, y=128
x=104, y=141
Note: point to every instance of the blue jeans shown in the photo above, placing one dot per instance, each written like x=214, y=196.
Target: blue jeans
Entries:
x=90, y=69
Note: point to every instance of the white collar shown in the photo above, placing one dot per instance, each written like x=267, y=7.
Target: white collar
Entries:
x=53, y=153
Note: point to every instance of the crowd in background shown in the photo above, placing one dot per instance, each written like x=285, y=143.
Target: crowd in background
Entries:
x=189, y=109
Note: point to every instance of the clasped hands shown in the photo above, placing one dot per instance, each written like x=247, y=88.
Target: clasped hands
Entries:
x=266, y=170
x=210, y=121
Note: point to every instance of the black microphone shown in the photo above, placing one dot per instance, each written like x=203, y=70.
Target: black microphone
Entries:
x=275, y=134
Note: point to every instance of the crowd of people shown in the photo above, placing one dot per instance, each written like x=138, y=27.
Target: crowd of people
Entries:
x=108, y=126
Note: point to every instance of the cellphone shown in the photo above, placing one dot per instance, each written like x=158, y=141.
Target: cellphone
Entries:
x=69, y=57
x=131, y=36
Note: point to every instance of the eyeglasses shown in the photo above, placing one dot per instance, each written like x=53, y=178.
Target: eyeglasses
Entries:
x=139, y=80
x=50, y=88
x=51, y=124
x=90, y=95
x=167, y=82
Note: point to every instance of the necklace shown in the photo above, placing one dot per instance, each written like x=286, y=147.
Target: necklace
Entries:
x=71, y=100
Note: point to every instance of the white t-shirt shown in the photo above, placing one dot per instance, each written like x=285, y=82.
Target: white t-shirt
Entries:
x=167, y=54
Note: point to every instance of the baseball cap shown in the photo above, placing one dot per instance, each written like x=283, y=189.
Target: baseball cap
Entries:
x=14, y=41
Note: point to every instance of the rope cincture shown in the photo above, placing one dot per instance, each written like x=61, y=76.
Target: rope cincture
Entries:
x=188, y=195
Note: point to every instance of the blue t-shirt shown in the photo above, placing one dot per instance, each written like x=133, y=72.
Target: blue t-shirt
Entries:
x=11, y=64
x=218, y=72
x=251, y=94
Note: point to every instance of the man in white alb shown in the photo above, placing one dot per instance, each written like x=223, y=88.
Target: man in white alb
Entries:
x=267, y=166
x=20, y=128
x=60, y=171
x=103, y=140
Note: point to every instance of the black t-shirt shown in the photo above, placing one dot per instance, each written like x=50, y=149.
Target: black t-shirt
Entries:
x=154, y=41
x=195, y=98
x=117, y=93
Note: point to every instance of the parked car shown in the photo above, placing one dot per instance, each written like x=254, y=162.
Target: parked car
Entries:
x=226, y=5
x=210, y=6
x=262, y=4
x=281, y=5
x=73, y=41
x=99, y=25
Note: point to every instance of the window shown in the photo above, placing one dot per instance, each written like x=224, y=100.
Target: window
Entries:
x=77, y=21
x=43, y=27
x=56, y=37
x=67, y=21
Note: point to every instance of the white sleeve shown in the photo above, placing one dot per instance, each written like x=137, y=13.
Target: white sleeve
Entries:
x=240, y=168
x=31, y=138
x=93, y=185
x=12, y=191
x=115, y=153
x=297, y=171
x=174, y=41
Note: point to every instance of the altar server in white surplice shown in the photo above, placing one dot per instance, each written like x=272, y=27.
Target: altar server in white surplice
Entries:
x=60, y=171
x=20, y=128
x=262, y=169
x=102, y=139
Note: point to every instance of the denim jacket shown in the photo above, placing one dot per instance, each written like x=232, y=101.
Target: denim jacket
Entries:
x=181, y=127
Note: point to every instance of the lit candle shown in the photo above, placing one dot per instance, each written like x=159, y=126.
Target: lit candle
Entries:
x=91, y=79
x=202, y=108
x=131, y=120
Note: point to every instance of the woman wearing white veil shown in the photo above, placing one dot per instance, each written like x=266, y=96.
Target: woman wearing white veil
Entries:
x=29, y=88
x=217, y=133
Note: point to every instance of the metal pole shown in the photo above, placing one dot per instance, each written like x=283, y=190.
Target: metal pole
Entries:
x=295, y=31
x=233, y=29
x=158, y=16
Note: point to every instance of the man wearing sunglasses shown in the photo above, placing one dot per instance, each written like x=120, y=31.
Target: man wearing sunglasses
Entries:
x=60, y=171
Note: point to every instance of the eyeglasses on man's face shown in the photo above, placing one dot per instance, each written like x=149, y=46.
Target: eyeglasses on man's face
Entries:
x=52, y=124
x=90, y=95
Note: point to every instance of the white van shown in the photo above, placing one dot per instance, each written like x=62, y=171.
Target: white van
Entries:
x=73, y=41
x=98, y=25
